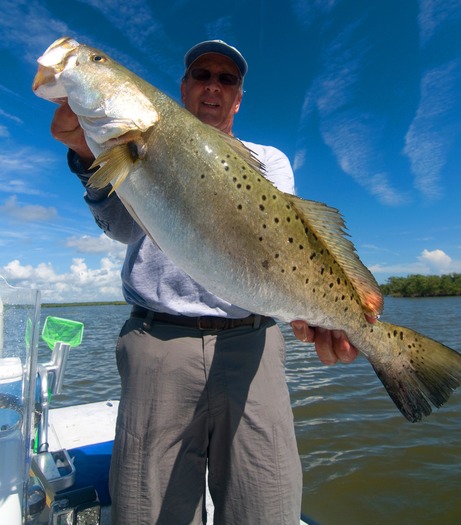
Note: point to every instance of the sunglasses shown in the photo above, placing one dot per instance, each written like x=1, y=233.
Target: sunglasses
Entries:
x=204, y=75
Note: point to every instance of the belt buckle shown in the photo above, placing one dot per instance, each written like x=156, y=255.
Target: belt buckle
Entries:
x=200, y=321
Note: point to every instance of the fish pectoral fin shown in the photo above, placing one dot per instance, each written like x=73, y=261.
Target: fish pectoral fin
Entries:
x=329, y=226
x=115, y=164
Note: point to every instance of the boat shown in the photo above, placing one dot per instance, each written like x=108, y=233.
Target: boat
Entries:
x=54, y=462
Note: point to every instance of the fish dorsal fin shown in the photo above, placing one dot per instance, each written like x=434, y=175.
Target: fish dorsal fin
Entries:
x=248, y=155
x=329, y=226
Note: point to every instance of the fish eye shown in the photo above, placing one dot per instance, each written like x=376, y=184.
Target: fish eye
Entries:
x=98, y=58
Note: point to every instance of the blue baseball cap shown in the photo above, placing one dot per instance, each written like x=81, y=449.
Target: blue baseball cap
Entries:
x=216, y=46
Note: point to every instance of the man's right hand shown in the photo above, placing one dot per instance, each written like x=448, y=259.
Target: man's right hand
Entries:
x=65, y=127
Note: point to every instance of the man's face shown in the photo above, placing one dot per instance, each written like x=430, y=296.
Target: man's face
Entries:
x=207, y=96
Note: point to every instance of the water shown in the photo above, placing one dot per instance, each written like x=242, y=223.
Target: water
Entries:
x=363, y=462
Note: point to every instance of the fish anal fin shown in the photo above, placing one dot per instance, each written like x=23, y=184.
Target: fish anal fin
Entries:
x=329, y=226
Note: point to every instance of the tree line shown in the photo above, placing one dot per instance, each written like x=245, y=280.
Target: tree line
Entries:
x=423, y=285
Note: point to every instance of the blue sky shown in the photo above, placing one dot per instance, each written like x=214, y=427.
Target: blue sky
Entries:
x=363, y=96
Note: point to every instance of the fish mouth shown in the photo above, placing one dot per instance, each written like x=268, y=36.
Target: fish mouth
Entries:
x=44, y=85
x=44, y=75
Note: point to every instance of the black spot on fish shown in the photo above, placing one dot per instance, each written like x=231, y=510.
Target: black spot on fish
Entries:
x=239, y=207
x=261, y=207
x=248, y=186
x=265, y=264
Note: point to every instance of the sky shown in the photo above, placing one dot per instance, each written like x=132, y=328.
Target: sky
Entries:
x=363, y=96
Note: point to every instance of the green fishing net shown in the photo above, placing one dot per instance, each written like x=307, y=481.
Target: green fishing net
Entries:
x=57, y=330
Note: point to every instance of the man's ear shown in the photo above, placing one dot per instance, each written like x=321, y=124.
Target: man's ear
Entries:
x=237, y=105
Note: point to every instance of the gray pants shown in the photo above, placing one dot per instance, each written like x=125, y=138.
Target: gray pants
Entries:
x=192, y=399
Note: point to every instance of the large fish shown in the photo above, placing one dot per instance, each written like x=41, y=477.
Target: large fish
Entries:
x=203, y=198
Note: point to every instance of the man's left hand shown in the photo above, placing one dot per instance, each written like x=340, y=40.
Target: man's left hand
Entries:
x=331, y=345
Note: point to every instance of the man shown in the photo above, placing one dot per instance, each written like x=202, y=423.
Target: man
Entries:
x=203, y=381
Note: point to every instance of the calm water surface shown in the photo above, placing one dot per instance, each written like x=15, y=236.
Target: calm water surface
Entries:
x=363, y=462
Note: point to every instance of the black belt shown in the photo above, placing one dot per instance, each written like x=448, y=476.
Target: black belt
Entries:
x=204, y=322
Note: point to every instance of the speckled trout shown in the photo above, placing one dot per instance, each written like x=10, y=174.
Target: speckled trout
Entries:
x=203, y=198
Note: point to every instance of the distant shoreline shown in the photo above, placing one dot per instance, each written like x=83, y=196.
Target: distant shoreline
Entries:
x=91, y=303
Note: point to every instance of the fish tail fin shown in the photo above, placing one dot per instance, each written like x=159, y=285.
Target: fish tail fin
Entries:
x=419, y=371
x=115, y=165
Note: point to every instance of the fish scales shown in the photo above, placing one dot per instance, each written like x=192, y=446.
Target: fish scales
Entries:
x=203, y=198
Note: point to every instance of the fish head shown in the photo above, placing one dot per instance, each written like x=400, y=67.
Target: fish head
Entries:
x=104, y=95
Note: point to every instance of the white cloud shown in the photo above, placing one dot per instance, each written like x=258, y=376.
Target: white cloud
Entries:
x=354, y=136
x=433, y=130
x=23, y=160
x=15, y=119
x=79, y=284
x=28, y=27
x=27, y=212
x=433, y=14
x=299, y=160
x=353, y=139
x=308, y=12
x=93, y=245
x=435, y=262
